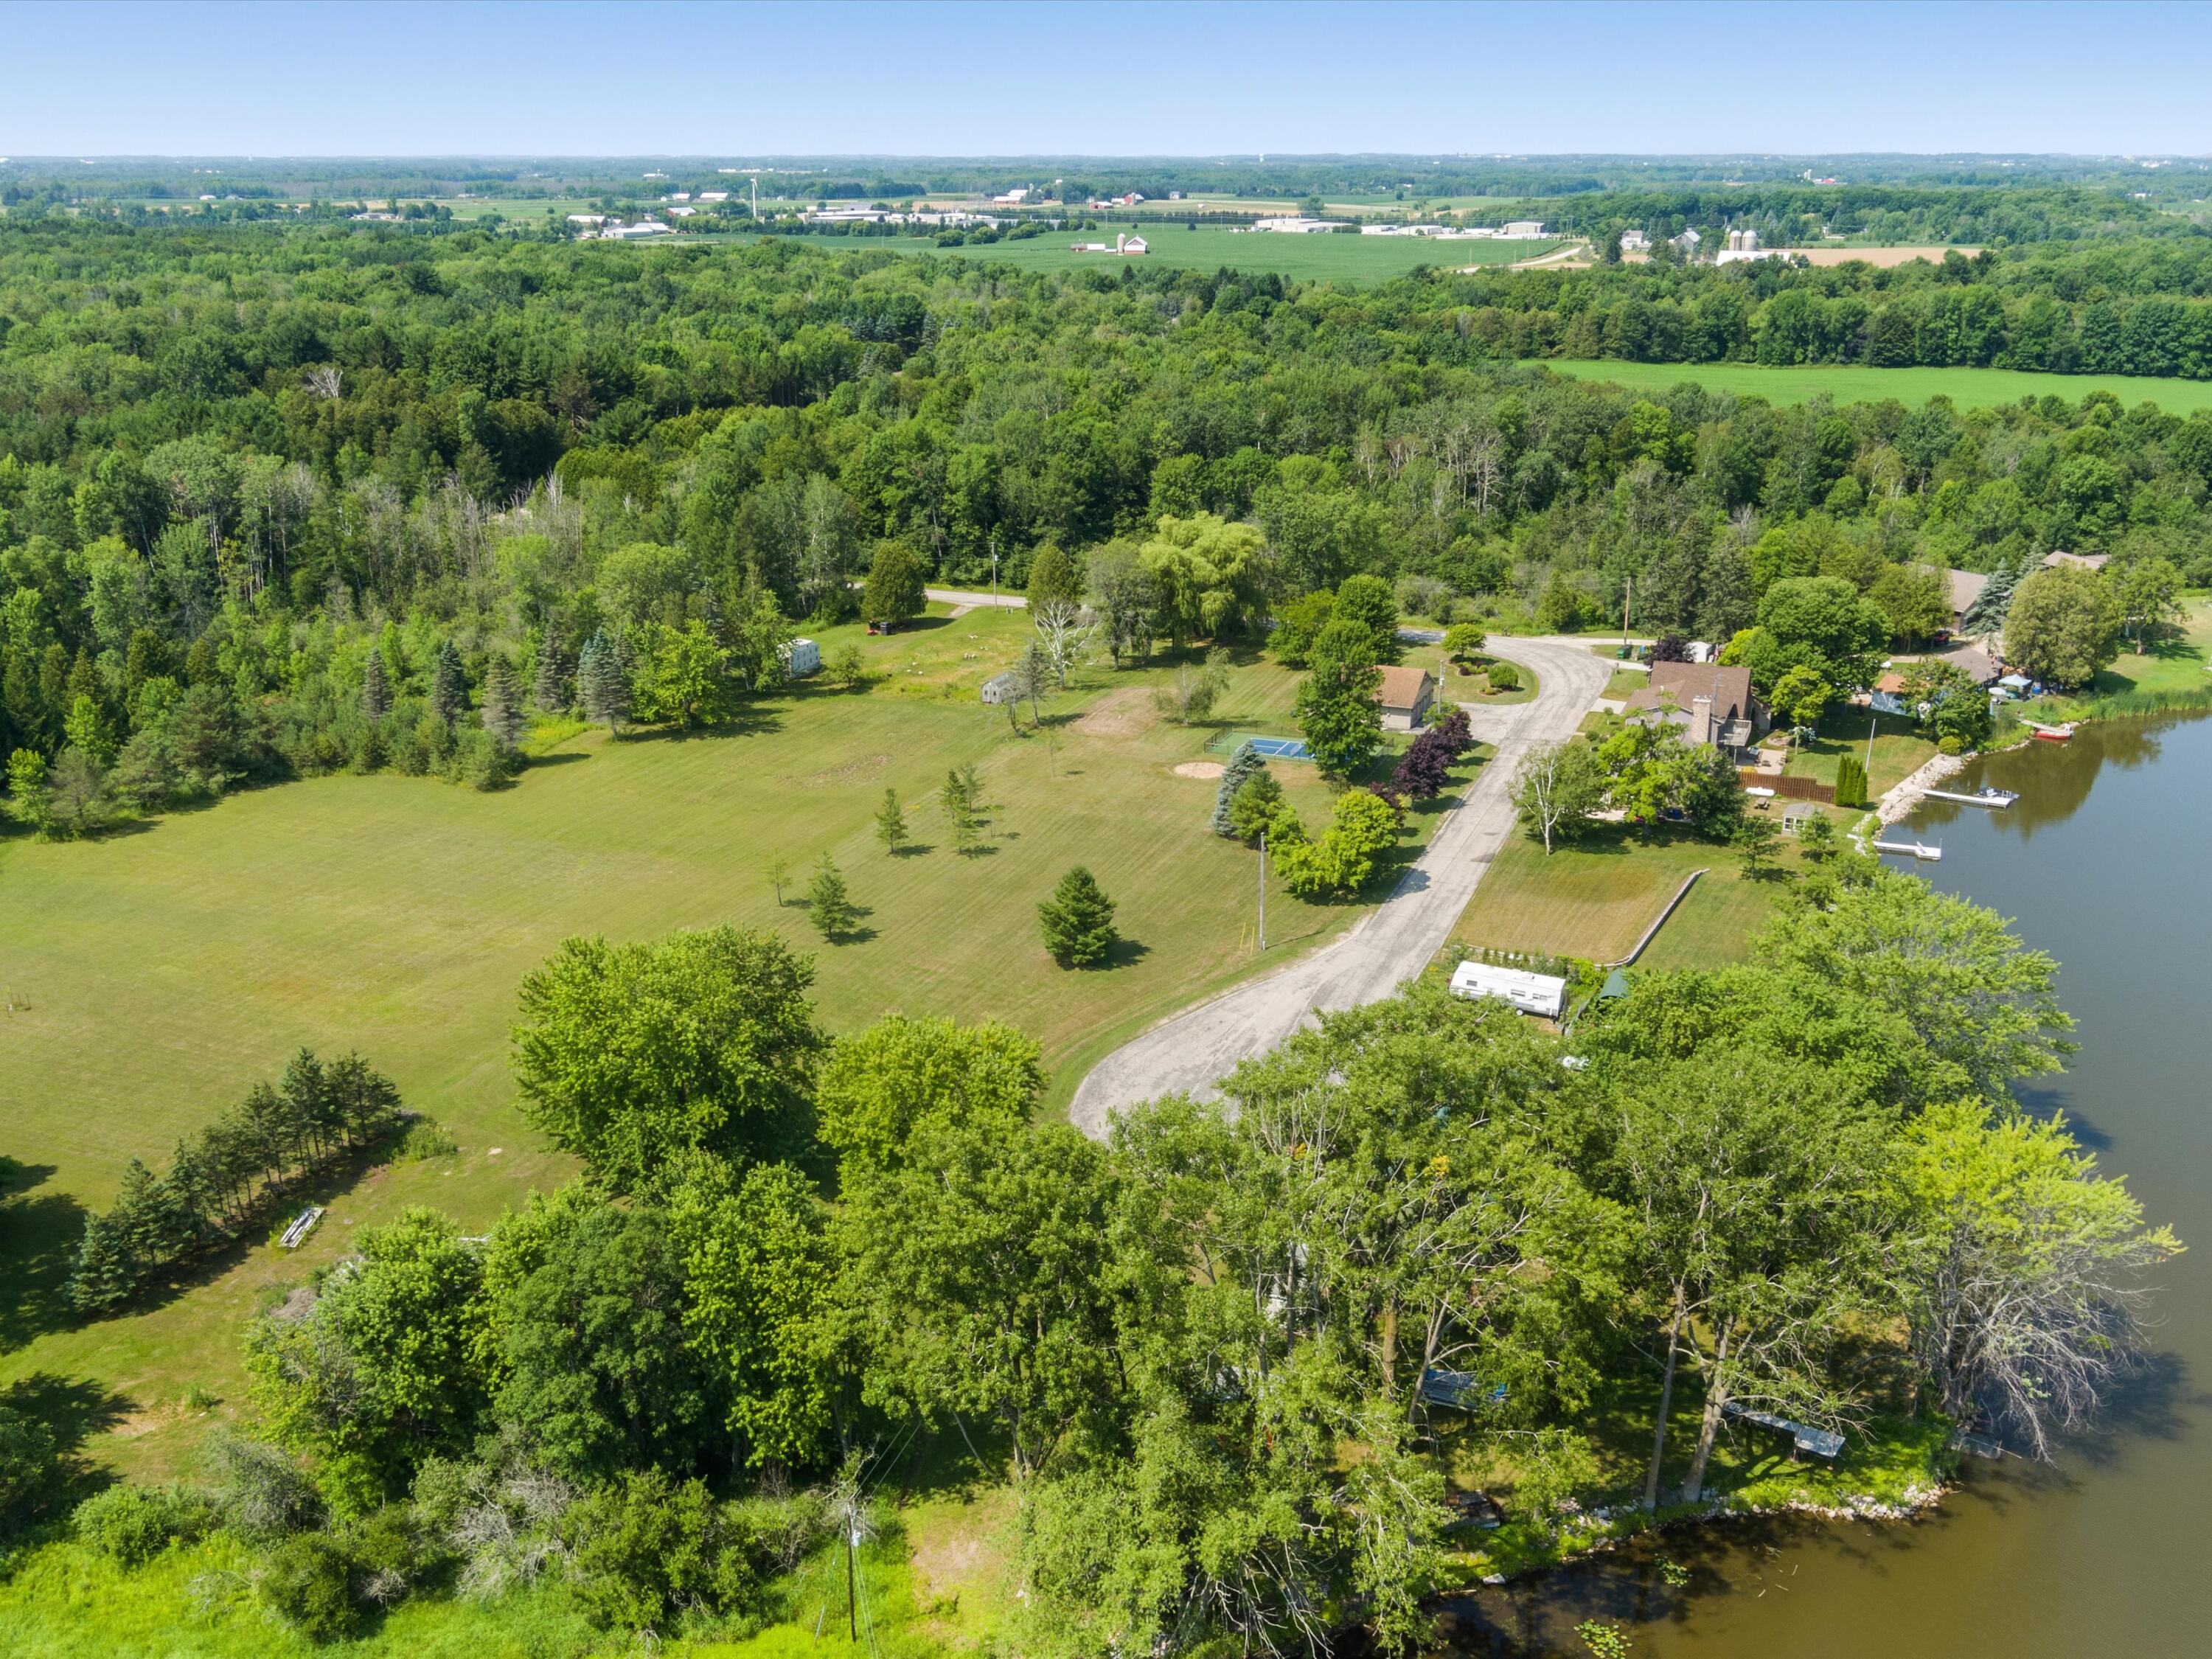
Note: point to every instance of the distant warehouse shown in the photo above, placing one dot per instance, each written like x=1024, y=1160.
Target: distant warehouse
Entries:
x=1543, y=994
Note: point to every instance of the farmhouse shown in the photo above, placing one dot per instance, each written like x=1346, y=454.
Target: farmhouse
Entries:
x=1542, y=994
x=1712, y=704
x=1635, y=242
x=1407, y=695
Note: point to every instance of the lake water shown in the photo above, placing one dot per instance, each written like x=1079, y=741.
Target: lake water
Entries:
x=2106, y=1552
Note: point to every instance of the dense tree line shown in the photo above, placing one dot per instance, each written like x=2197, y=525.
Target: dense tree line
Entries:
x=231, y=1176
x=275, y=503
x=1800, y=1185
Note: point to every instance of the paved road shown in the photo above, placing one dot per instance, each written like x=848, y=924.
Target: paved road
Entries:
x=954, y=596
x=1394, y=942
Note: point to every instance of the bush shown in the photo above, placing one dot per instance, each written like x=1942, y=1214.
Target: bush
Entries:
x=1503, y=676
x=32, y=1470
x=260, y=1492
x=131, y=1525
x=308, y=1583
x=644, y=1548
x=426, y=1138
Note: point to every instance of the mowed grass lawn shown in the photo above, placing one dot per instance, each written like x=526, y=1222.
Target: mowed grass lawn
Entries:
x=1593, y=900
x=153, y=977
x=1846, y=383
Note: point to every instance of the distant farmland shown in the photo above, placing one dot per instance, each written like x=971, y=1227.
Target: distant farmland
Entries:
x=1326, y=257
x=1846, y=383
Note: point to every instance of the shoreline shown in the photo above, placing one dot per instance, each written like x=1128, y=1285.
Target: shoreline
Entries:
x=1617, y=1528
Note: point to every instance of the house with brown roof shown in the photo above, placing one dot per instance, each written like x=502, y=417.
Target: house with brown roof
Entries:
x=1710, y=703
x=2087, y=560
x=1406, y=696
x=1966, y=588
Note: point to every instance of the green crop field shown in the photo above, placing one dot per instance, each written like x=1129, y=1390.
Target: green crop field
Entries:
x=152, y=978
x=1969, y=388
x=1329, y=259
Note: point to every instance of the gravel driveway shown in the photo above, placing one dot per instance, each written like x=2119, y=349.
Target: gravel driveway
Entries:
x=1189, y=1051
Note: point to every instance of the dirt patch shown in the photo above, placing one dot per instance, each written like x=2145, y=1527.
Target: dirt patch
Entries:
x=1198, y=769
x=1121, y=713
x=958, y=611
x=851, y=771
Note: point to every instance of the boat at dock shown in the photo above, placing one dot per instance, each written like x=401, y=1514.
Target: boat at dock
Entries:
x=2051, y=733
x=1986, y=796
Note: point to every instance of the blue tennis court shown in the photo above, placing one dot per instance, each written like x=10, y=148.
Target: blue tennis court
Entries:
x=1281, y=748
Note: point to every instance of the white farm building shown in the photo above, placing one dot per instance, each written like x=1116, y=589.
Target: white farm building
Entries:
x=1545, y=994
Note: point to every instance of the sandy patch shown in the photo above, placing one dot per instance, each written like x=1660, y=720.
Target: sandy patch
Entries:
x=1121, y=713
x=1881, y=258
x=1198, y=769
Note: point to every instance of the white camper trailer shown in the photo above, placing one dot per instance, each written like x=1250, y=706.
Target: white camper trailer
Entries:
x=1544, y=995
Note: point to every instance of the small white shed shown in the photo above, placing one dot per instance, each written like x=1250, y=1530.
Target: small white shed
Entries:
x=1545, y=994
x=800, y=658
x=998, y=689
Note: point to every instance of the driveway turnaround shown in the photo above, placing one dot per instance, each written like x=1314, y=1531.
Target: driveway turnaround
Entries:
x=1188, y=1052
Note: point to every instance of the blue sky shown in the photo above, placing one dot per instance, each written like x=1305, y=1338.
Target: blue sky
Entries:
x=587, y=79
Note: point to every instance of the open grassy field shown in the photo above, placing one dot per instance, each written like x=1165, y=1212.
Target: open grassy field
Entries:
x=151, y=978
x=1969, y=388
x=1329, y=259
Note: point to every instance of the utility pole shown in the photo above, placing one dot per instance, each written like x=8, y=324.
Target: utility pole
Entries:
x=1627, y=587
x=1873, y=726
x=1263, y=891
x=852, y=1537
x=994, y=567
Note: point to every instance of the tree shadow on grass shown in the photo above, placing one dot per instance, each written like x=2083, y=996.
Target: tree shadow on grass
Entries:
x=557, y=757
x=39, y=1234
x=72, y=1410
x=1123, y=953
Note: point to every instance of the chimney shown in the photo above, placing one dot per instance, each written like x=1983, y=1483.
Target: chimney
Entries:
x=1701, y=719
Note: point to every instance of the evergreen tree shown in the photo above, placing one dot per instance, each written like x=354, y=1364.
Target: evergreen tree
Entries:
x=828, y=906
x=603, y=685
x=890, y=823
x=962, y=808
x=1244, y=765
x=1987, y=613
x=503, y=714
x=106, y=1276
x=449, y=685
x=1850, y=781
x=1078, y=920
x=550, y=691
x=375, y=689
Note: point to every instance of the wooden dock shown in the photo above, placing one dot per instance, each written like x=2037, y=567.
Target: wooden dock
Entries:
x=1914, y=849
x=1997, y=799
